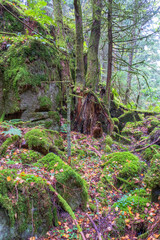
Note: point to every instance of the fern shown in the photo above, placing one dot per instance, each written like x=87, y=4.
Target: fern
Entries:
x=13, y=131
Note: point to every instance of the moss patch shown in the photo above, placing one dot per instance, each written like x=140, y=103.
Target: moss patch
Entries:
x=68, y=183
x=7, y=143
x=120, y=169
x=43, y=140
x=26, y=156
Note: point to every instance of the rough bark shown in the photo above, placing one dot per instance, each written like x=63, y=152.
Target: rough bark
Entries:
x=93, y=69
x=79, y=44
x=129, y=76
x=92, y=111
x=110, y=55
x=58, y=17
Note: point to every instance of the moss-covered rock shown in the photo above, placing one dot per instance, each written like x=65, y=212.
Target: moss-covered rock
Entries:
x=7, y=143
x=68, y=183
x=120, y=168
x=149, y=152
x=152, y=178
x=120, y=138
x=155, y=134
x=44, y=140
x=28, y=203
x=130, y=116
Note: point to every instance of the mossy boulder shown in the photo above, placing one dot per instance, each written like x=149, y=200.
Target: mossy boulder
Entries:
x=7, y=143
x=149, y=152
x=120, y=138
x=120, y=168
x=69, y=184
x=44, y=141
x=155, y=134
x=152, y=178
x=130, y=116
x=28, y=203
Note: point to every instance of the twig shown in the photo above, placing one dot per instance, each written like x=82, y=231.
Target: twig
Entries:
x=95, y=227
x=82, y=234
x=98, y=211
x=147, y=146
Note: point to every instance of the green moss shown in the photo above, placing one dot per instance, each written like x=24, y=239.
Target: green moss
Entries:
x=7, y=143
x=26, y=156
x=109, y=140
x=48, y=124
x=152, y=176
x=55, y=116
x=130, y=116
x=107, y=149
x=68, y=183
x=125, y=165
x=149, y=152
x=137, y=200
x=19, y=201
x=155, y=123
x=116, y=121
x=120, y=138
x=11, y=23
x=43, y=140
x=45, y=103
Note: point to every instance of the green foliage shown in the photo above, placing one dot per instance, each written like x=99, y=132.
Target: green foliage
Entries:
x=116, y=121
x=69, y=184
x=13, y=131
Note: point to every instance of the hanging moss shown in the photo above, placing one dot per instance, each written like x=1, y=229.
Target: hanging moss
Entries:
x=68, y=183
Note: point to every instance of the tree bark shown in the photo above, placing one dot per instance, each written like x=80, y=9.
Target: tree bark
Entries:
x=58, y=15
x=110, y=55
x=79, y=44
x=93, y=69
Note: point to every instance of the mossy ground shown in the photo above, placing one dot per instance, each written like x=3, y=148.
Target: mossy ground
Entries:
x=120, y=184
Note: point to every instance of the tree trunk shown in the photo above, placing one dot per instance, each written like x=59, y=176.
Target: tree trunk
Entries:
x=58, y=15
x=79, y=44
x=93, y=69
x=129, y=76
x=110, y=53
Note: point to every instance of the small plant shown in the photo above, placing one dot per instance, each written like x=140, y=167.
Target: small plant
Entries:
x=109, y=140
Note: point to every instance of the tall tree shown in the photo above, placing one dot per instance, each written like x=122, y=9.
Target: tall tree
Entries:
x=57, y=5
x=110, y=53
x=79, y=44
x=93, y=69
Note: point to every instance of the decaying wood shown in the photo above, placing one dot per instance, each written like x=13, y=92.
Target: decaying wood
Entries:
x=92, y=111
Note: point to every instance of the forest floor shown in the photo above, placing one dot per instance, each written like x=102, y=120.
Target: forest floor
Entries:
x=102, y=219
